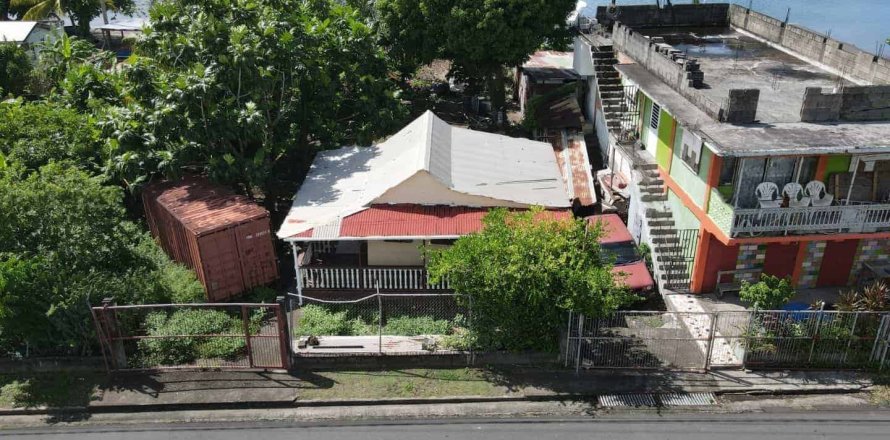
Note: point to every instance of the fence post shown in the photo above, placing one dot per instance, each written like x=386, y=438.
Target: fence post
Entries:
x=284, y=331
x=379, y=319
x=580, y=340
x=245, y=324
x=815, y=336
x=568, y=340
x=852, y=336
x=472, y=330
x=115, y=344
x=711, y=333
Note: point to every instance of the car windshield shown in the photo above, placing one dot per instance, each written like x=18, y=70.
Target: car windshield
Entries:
x=624, y=252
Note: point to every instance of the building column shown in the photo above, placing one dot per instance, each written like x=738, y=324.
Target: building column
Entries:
x=700, y=264
x=809, y=265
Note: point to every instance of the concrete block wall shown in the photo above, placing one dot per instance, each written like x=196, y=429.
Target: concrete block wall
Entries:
x=870, y=251
x=852, y=103
x=741, y=103
x=677, y=15
x=838, y=55
x=812, y=262
x=751, y=256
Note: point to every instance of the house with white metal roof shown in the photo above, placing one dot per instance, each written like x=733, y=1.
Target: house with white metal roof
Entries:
x=28, y=34
x=362, y=214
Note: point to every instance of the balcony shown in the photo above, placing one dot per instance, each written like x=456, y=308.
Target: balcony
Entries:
x=369, y=278
x=810, y=220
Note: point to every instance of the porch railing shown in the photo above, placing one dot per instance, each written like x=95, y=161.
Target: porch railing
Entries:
x=852, y=218
x=369, y=278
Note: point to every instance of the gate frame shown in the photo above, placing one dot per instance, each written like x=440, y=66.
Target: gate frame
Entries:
x=115, y=358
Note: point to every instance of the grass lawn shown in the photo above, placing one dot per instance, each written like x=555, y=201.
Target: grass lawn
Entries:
x=52, y=390
x=405, y=383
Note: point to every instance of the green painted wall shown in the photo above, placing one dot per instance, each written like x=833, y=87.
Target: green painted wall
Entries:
x=695, y=185
x=665, y=141
x=720, y=211
x=683, y=217
x=837, y=164
x=647, y=116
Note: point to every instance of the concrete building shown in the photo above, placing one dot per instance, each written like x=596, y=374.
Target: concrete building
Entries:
x=749, y=145
x=362, y=215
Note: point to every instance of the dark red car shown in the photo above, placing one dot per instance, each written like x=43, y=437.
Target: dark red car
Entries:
x=617, y=241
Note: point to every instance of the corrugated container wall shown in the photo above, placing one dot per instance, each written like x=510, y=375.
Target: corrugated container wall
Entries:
x=224, y=237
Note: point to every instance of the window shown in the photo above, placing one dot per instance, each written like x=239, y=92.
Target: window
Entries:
x=691, y=152
x=624, y=252
x=656, y=115
x=727, y=172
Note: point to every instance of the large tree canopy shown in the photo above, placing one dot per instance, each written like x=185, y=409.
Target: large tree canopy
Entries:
x=247, y=90
x=81, y=12
x=525, y=271
x=481, y=37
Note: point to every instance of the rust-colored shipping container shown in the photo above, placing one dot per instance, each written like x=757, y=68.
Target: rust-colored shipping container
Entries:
x=224, y=237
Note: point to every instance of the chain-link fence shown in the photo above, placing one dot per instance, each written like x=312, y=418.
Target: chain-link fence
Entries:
x=750, y=339
x=383, y=323
x=186, y=336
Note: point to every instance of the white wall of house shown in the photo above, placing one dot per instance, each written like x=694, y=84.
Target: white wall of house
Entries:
x=423, y=189
x=392, y=253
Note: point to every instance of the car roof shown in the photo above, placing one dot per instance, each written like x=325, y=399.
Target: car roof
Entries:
x=614, y=230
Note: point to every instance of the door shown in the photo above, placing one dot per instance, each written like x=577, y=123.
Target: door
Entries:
x=219, y=261
x=256, y=253
x=781, y=259
x=837, y=263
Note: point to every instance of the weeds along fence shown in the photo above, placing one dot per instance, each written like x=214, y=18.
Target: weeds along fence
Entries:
x=743, y=339
x=189, y=336
x=421, y=323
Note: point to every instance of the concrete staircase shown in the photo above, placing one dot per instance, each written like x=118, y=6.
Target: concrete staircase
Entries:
x=670, y=269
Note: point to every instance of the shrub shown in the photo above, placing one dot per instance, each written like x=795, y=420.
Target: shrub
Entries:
x=415, y=326
x=317, y=321
x=770, y=293
x=185, y=349
x=262, y=294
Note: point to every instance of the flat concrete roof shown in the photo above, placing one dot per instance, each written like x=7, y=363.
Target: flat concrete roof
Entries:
x=762, y=139
x=731, y=60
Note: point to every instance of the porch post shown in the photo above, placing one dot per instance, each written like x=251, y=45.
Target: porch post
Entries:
x=299, y=278
x=738, y=189
x=855, y=166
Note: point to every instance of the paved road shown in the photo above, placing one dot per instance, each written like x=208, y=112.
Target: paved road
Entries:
x=805, y=425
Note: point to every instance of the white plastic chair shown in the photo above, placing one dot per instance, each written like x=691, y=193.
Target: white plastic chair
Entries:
x=794, y=192
x=766, y=193
x=815, y=190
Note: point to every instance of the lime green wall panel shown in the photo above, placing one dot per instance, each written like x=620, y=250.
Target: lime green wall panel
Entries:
x=837, y=164
x=665, y=140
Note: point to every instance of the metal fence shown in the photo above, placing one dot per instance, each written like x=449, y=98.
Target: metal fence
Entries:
x=382, y=323
x=743, y=339
x=188, y=336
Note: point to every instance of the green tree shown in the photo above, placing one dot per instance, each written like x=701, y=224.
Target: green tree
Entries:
x=65, y=244
x=525, y=271
x=770, y=293
x=15, y=70
x=248, y=92
x=81, y=12
x=481, y=37
x=36, y=133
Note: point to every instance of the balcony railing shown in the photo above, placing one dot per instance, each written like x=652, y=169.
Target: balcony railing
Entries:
x=369, y=278
x=809, y=220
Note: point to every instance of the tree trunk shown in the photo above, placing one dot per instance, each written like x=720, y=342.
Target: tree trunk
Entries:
x=496, y=89
x=4, y=10
x=82, y=26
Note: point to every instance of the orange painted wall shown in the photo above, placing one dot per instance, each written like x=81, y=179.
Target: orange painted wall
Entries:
x=720, y=257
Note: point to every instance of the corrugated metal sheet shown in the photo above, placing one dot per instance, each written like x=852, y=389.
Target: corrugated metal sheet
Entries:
x=412, y=221
x=225, y=238
x=345, y=181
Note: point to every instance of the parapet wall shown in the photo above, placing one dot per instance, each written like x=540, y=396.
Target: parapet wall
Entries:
x=652, y=16
x=851, y=103
x=843, y=57
x=683, y=75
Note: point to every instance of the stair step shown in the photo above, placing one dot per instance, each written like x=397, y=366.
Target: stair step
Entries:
x=666, y=240
x=661, y=223
x=652, y=182
x=653, y=198
x=649, y=167
x=662, y=233
x=668, y=258
x=654, y=213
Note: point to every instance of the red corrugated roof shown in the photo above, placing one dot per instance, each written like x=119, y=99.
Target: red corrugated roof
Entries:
x=614, y=229
x=203, y=207
x=408, y=220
